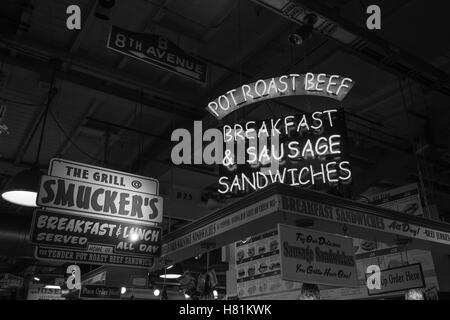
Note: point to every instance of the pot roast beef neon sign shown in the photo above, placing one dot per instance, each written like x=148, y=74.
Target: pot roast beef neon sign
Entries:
x=306, y=149
x=330, y=86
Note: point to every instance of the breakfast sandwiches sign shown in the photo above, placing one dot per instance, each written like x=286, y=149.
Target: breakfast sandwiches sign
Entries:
x=307, y=149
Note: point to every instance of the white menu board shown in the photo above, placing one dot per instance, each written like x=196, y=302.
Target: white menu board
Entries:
x=258, y=270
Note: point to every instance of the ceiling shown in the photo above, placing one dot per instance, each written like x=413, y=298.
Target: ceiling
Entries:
x=111, y=110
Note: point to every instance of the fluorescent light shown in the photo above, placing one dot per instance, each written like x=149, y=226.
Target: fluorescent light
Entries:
x=156, y=292
x=123, y=290
x=170, y=276
x=215, y=294
x=169, y=267
x=21, y=198
x=36, y=279
x=49, y=286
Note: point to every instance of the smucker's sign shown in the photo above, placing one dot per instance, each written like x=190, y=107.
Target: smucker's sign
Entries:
x=73, y=170
x=97, y=215
x=96, y=199
x=156, y=50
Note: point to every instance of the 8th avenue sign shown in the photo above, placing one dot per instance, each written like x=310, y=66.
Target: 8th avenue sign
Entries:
x=156, y=50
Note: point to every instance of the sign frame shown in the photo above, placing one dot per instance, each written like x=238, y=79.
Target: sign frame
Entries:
x=311, y=253
x=53, y=171
x=142, y=56
x=374, y=293
x=93, y=286
x=33, y=231
x=117, y=216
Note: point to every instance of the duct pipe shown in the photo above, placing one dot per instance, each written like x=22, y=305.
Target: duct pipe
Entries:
x=15, y=234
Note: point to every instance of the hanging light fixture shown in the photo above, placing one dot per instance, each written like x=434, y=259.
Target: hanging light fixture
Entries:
x=103, y=9
x=174, y=272
x=23, y=188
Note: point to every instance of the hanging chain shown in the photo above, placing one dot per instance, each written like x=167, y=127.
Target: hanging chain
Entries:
x=45, y=114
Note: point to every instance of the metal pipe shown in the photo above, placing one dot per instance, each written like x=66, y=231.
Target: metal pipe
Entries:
x=14, y=234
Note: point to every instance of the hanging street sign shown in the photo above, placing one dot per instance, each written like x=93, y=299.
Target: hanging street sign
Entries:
x=156, y=50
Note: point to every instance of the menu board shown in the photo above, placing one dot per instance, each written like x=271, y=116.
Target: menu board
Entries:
x=317, y=257
x=258, y=269
x=404, y=199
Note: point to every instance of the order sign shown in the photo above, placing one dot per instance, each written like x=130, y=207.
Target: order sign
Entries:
x=400, y=279
x=317, y=257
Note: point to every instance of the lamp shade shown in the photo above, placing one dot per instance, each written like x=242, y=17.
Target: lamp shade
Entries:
x=174, y=272
x=23, y=188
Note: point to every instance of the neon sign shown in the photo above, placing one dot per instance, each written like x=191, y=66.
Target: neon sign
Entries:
x=306, y=150
x=330, y=86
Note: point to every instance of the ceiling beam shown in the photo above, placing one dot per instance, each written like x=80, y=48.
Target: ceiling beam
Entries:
x=95, y=70
x=97, y=87
x=79, y=37
x=381, y=53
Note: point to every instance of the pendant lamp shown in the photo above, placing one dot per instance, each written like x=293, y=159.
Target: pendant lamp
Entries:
x=23, y=188
x=173, y=272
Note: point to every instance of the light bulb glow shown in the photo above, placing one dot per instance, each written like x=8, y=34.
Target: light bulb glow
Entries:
x=170, y=276
x=187, y=296
x=123, y=290
x=49, y=286
x=215, y=294
x=156, y=292
x=21, y=198
x=134, y=237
